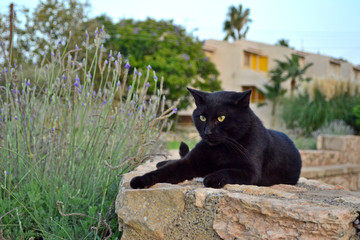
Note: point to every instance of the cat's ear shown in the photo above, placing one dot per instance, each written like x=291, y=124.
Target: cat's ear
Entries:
x=242, y=99
x=199, y=96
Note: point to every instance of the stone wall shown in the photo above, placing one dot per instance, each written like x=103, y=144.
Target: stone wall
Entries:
x=310, y=210
x=189, y=211
x=336, y=161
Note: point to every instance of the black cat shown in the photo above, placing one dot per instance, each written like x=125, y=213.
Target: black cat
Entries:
x=235, y=148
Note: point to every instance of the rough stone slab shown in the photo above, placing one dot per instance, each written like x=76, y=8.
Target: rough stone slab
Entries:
x=309, y=210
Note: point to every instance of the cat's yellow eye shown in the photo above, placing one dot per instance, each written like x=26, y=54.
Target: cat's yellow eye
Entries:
x=202, y=118
x=221, y=118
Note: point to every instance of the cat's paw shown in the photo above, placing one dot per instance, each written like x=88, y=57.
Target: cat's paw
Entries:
x=138, y=182
x=214, y=181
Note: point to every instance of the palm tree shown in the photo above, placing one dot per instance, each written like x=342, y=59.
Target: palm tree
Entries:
x=292, y=70
x=235, y=23
x=274, y=92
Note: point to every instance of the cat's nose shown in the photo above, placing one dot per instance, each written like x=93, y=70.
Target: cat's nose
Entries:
x=208, y=131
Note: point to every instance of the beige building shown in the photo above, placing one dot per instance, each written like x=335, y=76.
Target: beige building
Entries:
x=245, y=65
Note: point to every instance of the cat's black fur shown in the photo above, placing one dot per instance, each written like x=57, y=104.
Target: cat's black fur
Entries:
x=238, y=150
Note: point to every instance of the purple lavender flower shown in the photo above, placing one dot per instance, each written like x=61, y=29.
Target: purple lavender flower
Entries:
x=76, y=84
x=104, y=102
x=155, y=78
x=28, y=83
x=136, y=30
x=140, y=74
x=148, y=67
x=16, y=118
x=14, y=65
x=175, y=110
x=52, y=54
x=6, y=172
x=129, y=87
x=59, y=42
x=79, y=90
x=135, y=72
x=185, y=56
x=118, y=83
x=63, y=77
x=106, y=62
x=83, y=104
x=110, y=56
x=147, y=85
x=127, y=65
x=76, y=47
x=52, y=129
x=35, y=63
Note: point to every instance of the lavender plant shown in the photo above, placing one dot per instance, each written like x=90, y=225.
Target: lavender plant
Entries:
x=68, y=132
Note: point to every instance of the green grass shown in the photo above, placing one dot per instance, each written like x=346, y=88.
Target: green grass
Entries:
x=174, y=145
x=67, y=136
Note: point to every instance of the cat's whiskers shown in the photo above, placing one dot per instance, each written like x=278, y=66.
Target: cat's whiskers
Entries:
x=237, y=146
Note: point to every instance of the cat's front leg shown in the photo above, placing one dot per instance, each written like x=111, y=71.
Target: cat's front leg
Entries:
x=172, y=172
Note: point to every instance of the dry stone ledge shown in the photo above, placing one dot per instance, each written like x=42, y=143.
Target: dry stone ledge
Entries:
x=188, y=211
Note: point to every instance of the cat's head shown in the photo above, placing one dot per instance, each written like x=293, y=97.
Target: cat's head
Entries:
x=221, y=116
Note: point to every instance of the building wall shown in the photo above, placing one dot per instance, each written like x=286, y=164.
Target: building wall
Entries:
x=230, y=60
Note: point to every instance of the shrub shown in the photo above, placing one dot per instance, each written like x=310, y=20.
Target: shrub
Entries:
x=320, y=102
x=64, y=145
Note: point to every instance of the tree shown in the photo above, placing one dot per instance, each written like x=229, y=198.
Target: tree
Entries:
x=236, y=21
x=274, y=92
x=19, y=41
x=169, y=50
x=283, y=42
x=53, y=20
x=293, y=71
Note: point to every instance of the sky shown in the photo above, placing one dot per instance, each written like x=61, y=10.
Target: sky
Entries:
x=328, y=27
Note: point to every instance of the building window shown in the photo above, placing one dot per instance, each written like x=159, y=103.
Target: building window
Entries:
x=247, y=59
x=255, y=61
x=335, y=69
x=256, y=96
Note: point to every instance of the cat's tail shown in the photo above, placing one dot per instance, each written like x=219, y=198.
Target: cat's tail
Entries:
x=183, y=149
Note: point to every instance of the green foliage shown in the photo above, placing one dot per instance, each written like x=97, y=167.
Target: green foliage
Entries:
x=292, y=70
x=283, y=42
x=168, y=49
x=160, y=44
x=274, y=92
x=64, y=145
x=305, y=142
x=309, y=116
x=356, y=111
x=237, y=20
